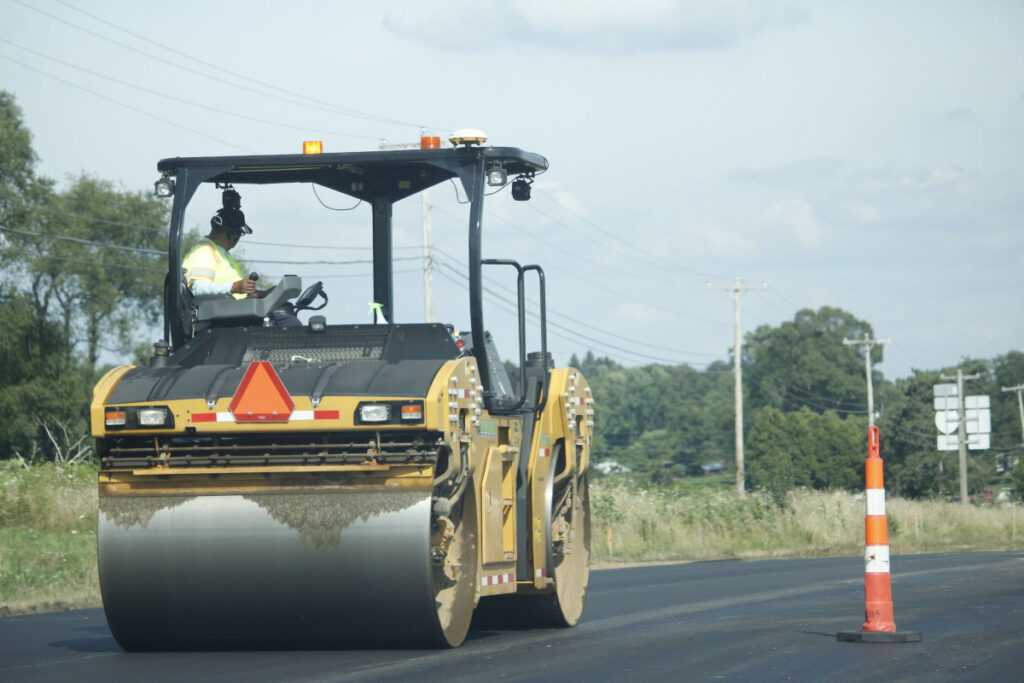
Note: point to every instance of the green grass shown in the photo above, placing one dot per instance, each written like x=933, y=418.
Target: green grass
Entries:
x=46, y=570
x=48, y=528
x=47, y=536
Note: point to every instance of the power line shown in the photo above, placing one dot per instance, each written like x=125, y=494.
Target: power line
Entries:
x=205, y=106
x=649, y=259
x=102, y=264
x=556, y=332
x=127, y=106
x=309, y=102
x=140, y=250
x=597, y=285
x=92, y=219
x=598, y=329
x=324, y=263
x=576, y=334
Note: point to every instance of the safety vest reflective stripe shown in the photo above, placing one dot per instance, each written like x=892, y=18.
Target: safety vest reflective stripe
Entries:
x=208, y=261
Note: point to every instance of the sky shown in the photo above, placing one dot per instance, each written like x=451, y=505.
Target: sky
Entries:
x=866, y=156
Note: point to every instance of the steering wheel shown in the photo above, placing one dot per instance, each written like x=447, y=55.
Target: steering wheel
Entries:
x=305, y=300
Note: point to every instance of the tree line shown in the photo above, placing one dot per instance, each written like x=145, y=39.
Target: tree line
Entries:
x=805, y=414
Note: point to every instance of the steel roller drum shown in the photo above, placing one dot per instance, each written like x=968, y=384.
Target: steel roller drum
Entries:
x=268, y=570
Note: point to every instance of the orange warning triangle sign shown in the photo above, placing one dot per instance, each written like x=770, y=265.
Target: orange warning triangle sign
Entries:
x=261, y=396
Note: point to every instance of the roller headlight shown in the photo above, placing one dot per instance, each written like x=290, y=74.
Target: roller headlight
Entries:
x=153, y=417
x=138, y=417
x=389, y=412
x=374, y=412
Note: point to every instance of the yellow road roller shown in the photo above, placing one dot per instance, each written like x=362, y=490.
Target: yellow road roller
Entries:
x=273, y=482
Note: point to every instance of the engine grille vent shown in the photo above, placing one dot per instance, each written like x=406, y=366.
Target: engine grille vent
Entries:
x=304, y=448
x=332, y=346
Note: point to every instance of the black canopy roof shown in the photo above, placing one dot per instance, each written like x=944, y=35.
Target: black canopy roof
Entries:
x=365, y=175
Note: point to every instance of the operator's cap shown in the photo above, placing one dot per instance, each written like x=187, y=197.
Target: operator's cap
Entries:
x=232, y=221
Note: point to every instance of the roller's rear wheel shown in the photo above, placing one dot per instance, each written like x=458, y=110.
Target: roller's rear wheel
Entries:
x=570, y=555
x=454, y=574
x=570, y=534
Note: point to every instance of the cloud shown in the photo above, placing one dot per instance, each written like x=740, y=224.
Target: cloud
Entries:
x=793, y=217
x=569, y=201
x=917, y=178
x=714, y=241
x=961, y=115
x=794, y=172
x=863, y=213
x=597, y=26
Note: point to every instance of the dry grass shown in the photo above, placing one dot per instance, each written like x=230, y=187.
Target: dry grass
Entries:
x=667, y=524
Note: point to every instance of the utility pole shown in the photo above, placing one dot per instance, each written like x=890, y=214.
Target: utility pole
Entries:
x=867, y=344
x=1020, y=405
x=962, y=429
x=428, y=261
x=737, y=372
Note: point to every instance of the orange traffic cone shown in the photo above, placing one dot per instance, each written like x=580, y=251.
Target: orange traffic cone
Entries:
x=879, y=626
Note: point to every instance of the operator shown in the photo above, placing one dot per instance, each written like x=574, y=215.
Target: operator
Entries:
x=209, y=268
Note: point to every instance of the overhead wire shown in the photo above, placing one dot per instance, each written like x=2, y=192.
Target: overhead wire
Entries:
x=602, y=287
x=323, y=263
x=66, y=238
x=647, y=259
x=576, y=335
x=303, y=101
x=205, y=106
x=127, y=106
x=575, y=338
x=91, y=219
x=599, y=329
x=103, y=264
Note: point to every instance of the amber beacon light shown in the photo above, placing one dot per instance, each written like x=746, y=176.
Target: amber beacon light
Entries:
x=312, y=147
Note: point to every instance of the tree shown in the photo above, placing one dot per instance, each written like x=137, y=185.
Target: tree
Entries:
x=109, y=283
x=803, y=448
x=18, y=182
x=805, y=363
x=81, y=271
x=35, y=383
x=770, y=462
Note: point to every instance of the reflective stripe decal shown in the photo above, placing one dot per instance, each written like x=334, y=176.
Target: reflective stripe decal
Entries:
x=298, y=415
x=497, y=578
x=541, y=573
x=876, y=559
x=543, y=452
x=875, y=501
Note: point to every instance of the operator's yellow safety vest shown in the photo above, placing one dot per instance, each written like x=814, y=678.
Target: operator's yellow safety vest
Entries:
x=209, y=261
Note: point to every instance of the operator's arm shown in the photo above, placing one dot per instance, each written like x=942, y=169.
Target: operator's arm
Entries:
x=201, y=287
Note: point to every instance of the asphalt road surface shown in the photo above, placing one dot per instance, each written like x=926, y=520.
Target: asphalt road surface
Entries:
x=771, y=620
